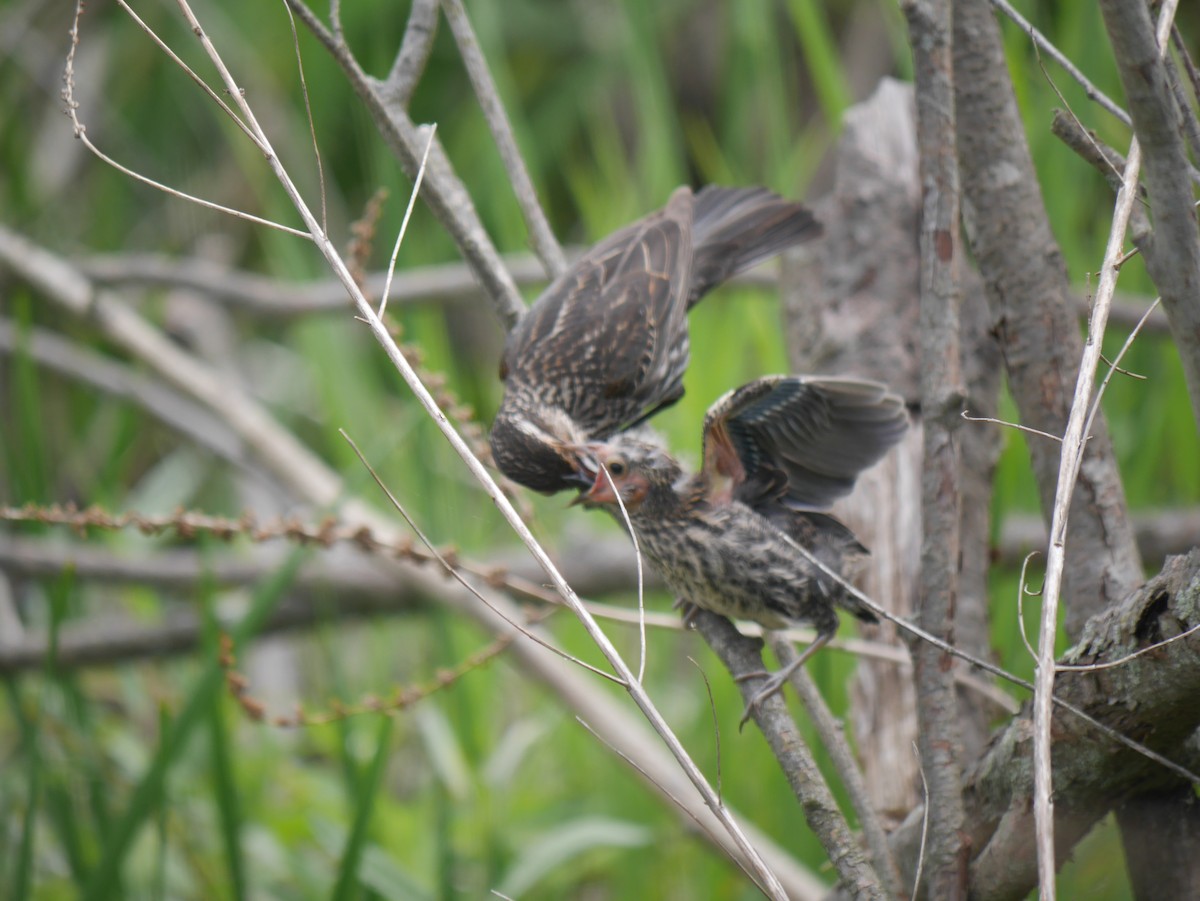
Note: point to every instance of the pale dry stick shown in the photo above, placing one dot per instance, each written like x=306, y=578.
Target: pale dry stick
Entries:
x=312, y=128
x=1042, y=42
x=447, y=197
x=769, y=881
x=455, y=573
x=434, y=284
x=637, y=553
x=676, y=801
x=80, y=130
x=112, y=378
x=177, y=570
x=833, y=737
x=1070, y=460
x=924, y=823
x=412, y=202
x=712, y=709
x=1021, y=593
x=544, y=243
x=1009, y=425
x=1113, y=367
x=1121, y=661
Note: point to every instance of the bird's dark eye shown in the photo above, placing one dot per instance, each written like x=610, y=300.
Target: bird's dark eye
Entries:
x=616, y=467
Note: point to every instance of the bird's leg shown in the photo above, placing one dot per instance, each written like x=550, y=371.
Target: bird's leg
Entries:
x=778, y=679
x=688, y=609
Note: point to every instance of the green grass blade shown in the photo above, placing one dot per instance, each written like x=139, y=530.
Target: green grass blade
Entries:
x=145, y=798
x=822, y=56
x=23, y=873
x=347, y=880
x=224, y=780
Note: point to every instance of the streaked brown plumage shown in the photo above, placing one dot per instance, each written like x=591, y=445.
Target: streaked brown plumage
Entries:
x=606, y=345
x=736, y=537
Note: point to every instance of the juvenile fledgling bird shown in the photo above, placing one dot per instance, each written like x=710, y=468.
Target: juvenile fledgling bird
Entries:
x=739, y=536
x=606, y=345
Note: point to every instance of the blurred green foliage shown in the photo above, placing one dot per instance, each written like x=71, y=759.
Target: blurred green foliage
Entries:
x=146, y=781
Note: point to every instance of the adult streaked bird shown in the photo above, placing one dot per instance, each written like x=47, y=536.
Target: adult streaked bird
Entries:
x=606, y=345
x=740, y=536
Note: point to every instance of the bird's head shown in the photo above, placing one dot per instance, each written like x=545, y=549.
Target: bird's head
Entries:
x=534, y=446
x=643, y=473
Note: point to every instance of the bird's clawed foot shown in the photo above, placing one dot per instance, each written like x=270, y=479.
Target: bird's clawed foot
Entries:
x=775, y=682
x=689, y=611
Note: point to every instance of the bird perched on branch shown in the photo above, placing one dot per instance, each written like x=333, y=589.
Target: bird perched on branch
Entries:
x=606, y=345
x=744, y=537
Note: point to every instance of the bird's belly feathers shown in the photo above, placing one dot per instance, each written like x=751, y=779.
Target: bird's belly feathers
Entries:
x=740, y=566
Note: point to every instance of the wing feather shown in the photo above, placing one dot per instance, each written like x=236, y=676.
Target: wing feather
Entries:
x=609, y=338
x=800, y=441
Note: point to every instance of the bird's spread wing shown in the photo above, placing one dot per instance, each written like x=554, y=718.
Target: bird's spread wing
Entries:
x=737, y=228
x=800, y=441
x=610, y=336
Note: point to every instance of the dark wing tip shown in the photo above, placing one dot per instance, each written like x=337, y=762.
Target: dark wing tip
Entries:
x=820, y=432
x=738, y=228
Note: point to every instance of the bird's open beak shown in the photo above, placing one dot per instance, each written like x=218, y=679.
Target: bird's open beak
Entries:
x=588, y=473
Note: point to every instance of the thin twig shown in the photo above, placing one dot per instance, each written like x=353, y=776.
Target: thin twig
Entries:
x=414, y=52
x=1078, y=419
x=312, y=128
x=544, y=243
x=1021, y=594
x=1189, y=65
x=412, y=201
x=446, y=196
x=833, y=737
x=81, y=132
x=676, y=801
x=1122, y=661
x=988, y=666
x=1113, y=368
x=924, y=824
x=716, y=723
x=763, y=873
x=966, y=414
x=1072, y=454
x=637, y=555
x=455, y=573
x=1044, y=44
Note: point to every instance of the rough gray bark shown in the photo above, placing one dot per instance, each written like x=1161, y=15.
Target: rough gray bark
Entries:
x=1172, y=250
x=941, y=404
x=1027, y=290
x=742, y=656
x=856, y=313
x=1157, y=831
x=1152, y=698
